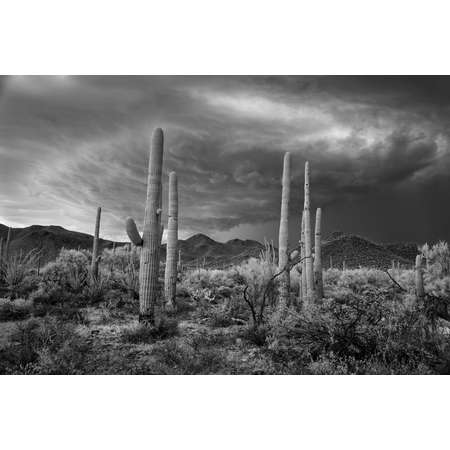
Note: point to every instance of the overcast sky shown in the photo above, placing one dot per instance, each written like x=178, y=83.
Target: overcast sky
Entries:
x=378, y=149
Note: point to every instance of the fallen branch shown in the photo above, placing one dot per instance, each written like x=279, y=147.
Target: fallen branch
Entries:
x=395, y=282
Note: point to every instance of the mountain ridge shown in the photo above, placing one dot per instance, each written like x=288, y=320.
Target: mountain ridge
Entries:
x=201, y=250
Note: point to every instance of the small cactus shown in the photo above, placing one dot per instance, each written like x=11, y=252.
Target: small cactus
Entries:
x=318, y=277
x=95, y=256
x=151, y=238
x=170, y=276
x=283, y=237
x=308, y=243
x=420, y=292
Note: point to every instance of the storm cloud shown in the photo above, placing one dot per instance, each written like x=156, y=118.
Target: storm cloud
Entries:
x=378, y=149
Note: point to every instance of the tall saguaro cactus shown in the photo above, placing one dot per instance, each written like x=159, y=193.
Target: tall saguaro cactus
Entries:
x=307, y=226
x=8, y=242
x=420, y=291
x=303, y=291
x=283, y=236
x=318, y=280
x=95, y=257
x=170, y=276
x=151, y=238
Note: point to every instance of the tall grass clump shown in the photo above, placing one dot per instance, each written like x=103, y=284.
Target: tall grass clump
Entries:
x=18, y=274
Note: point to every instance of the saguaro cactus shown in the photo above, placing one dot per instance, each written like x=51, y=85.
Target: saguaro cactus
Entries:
x=151, y=238
x=304, y=291
x=307, y=227
x=283, y=236
x=170, y=276
x=8, y=242
x=95, y=256
x=318, y=256
x=420, y=292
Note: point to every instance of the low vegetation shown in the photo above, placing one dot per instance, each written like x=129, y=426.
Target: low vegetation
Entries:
x=368, y=323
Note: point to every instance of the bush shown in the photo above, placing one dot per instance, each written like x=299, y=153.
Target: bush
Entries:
x=17, y=274
x=45, y=346
x=14, y=310
x=145, y=334
x=198, y=354
x=369, y=332
x=69, y=274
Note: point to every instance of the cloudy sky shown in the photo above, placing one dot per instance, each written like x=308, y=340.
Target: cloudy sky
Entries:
x=378, y=149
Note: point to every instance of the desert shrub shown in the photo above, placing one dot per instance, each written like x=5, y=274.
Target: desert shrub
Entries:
x=17, y=274
x=64, y=279
x=96, y=288
x=12, y=310
x=437, y=258
x=215, y=285
x=144, y=334
x=117, y=260
x=198, y=354
x=367, y=332
x=256, y=276
x=122, y=267
x=45, y=346
x=354, y=280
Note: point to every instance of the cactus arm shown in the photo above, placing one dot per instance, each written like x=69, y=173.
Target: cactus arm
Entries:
x=133, y=232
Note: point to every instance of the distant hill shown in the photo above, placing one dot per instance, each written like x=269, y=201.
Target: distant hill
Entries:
x=49, y=239
x=200, y=250
x=357, y=251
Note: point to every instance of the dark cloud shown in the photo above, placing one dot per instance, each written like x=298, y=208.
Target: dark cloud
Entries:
x=378, y=148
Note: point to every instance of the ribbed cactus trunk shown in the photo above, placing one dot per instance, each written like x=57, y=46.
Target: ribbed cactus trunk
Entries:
x=95, y=256
x=304, y=292
x=179, y=266
x=318, y=277
x=151, y=238
x=161, y=227
x=1, y=251
x=308, y=240
x=170, y=276
x=420, y=292
x=283, y=236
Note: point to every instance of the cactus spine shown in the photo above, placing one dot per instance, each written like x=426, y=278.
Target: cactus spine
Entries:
x=318, y=256
x=420, y=292
x=307, y=227
x=170, y=276
x=151, y=238
x=283, y=236
x=95, y=257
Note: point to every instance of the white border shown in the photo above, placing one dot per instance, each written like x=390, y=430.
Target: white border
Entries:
x=233, y=37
